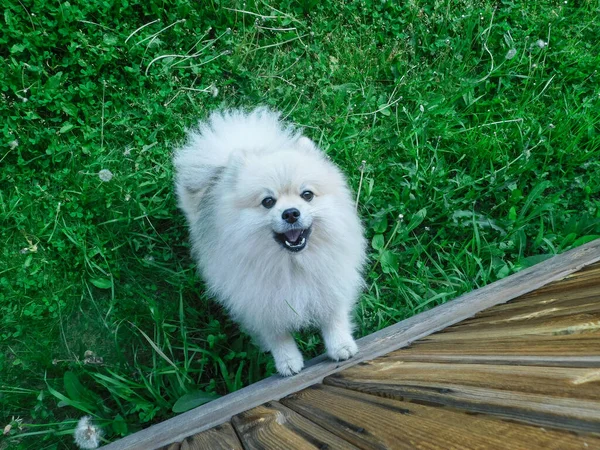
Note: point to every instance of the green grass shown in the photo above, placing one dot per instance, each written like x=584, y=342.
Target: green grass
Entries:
x=478, y=121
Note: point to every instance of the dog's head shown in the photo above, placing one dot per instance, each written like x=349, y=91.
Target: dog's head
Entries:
x=289, y=195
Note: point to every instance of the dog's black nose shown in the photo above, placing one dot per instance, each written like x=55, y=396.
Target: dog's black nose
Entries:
x=290, y=215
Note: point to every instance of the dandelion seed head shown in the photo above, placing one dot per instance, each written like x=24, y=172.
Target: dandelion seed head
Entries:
x=541, y=43
x=214, y=91
x=511, y=53
x=87, y=435
x=13, y=144
x=105, y=175
x=92, y=358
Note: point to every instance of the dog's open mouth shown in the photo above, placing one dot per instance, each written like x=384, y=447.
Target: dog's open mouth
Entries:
x=293, y=240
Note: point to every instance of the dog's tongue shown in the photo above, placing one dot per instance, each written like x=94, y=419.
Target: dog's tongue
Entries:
x=293, y=235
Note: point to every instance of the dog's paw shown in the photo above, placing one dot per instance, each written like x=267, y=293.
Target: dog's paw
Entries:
x=289, y=366
x=342, y=350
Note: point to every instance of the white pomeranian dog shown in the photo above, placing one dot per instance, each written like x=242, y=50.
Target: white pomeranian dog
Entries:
x=274, y=231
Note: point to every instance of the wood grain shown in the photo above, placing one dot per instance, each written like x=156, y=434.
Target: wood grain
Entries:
x=583, y=350
x=554, y=304
x=515, y=359
x=371, y=422
x=273, y=426
x=221, y=437
x=568, y=305
x=548, y=382
x=556, y=397
x=377, y=344
x=582, y=278
x=545, y=324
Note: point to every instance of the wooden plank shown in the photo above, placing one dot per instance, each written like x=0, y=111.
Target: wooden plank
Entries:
x=273, y=426
x=582, y=299
x=547, y=382
x=377, y=344
x=221, y=437
x=548, y=396
x=372, y=422
x=579, y=348
x=528, y=315
x=586, y=276
x=574, y=311
x=514, y=360
x=567, y=292
x=543, y=324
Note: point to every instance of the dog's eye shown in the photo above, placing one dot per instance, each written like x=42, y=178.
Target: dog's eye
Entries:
x=307, y=195
x=268, y=202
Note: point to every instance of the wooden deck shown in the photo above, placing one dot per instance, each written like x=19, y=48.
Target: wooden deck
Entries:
x=518, y=375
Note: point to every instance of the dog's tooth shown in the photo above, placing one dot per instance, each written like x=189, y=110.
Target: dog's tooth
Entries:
x=288, y=244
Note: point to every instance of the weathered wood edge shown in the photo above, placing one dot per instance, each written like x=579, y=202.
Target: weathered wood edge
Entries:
x=377, y=344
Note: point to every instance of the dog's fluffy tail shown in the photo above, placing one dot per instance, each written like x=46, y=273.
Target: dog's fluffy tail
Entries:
x=211, y=144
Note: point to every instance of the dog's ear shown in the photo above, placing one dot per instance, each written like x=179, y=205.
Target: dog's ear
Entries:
x=235, y=163
x=307, y=145
x=192, y=178
x=237, y=159
x=196, y=178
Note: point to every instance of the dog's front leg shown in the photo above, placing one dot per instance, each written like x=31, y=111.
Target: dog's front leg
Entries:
x=288, y=359
x=337, y=333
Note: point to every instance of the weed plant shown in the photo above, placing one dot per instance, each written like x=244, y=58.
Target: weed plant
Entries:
x=472, y=128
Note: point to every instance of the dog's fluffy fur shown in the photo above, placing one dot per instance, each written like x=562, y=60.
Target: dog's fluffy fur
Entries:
x=272, y=287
